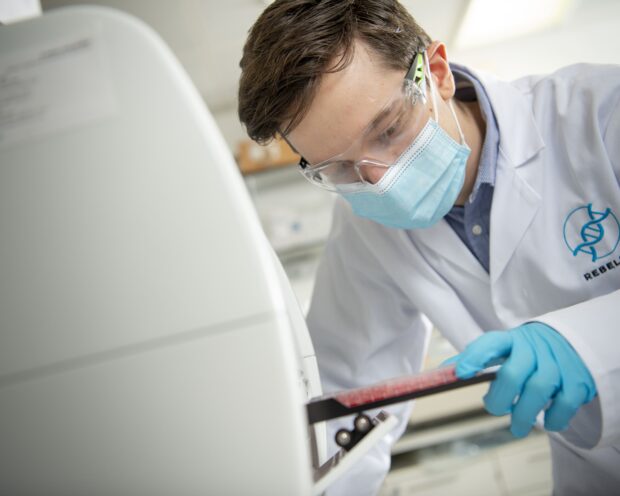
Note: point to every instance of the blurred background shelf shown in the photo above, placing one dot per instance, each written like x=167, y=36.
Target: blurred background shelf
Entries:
x=253, y=158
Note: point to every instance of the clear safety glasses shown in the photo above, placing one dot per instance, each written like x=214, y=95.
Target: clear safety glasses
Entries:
x=382, y=142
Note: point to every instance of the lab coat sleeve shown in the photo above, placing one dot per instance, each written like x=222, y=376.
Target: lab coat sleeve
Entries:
x=364, y=330
x=592, y=328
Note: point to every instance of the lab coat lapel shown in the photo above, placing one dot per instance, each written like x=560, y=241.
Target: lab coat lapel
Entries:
x=442, y=239
x=519, y=171
x=515, y=204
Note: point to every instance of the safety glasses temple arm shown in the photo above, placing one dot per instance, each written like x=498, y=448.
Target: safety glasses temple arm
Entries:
x=416, y=71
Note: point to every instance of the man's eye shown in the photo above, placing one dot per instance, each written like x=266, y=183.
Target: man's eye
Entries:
x=386, y=136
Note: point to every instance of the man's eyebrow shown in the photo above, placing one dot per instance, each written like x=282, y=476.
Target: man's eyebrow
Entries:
x=383, y=113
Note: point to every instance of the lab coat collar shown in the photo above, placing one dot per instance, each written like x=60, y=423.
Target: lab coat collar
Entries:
x=519, y=136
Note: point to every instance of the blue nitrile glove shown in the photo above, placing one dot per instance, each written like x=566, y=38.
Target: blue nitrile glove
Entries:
x=542, y=371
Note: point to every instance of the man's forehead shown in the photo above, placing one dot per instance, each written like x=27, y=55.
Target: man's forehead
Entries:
x=345, y=103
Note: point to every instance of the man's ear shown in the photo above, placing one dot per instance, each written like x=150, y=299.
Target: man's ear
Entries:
x=440, y=70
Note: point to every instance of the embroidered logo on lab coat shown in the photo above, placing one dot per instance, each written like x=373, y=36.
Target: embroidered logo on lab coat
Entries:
x=591, y=232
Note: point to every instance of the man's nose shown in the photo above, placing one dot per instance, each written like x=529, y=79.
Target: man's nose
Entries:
x=372, y=173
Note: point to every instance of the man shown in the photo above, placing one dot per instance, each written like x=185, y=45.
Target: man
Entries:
x=490, y=207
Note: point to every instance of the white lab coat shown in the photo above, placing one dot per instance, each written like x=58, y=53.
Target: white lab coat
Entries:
x=559, y=150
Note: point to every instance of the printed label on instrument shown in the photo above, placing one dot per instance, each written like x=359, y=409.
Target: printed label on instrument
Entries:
x=49, y=88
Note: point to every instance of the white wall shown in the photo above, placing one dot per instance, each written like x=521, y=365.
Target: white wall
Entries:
x=228, y=122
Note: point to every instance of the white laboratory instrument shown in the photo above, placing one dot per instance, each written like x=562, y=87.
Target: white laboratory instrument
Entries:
x=147, y=334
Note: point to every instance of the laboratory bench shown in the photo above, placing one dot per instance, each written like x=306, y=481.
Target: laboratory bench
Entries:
x=491, y=463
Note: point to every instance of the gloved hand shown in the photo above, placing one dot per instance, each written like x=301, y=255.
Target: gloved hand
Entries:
x=542, y=371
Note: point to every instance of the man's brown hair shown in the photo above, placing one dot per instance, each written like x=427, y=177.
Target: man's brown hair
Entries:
x=294, y=42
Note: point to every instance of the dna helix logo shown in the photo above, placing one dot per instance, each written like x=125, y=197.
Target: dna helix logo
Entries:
x=593, y=233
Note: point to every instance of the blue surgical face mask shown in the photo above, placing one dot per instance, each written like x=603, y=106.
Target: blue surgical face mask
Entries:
x=422, y=185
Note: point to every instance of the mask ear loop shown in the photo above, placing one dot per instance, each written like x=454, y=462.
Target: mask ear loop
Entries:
x=434, y=98
x=458, y=126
